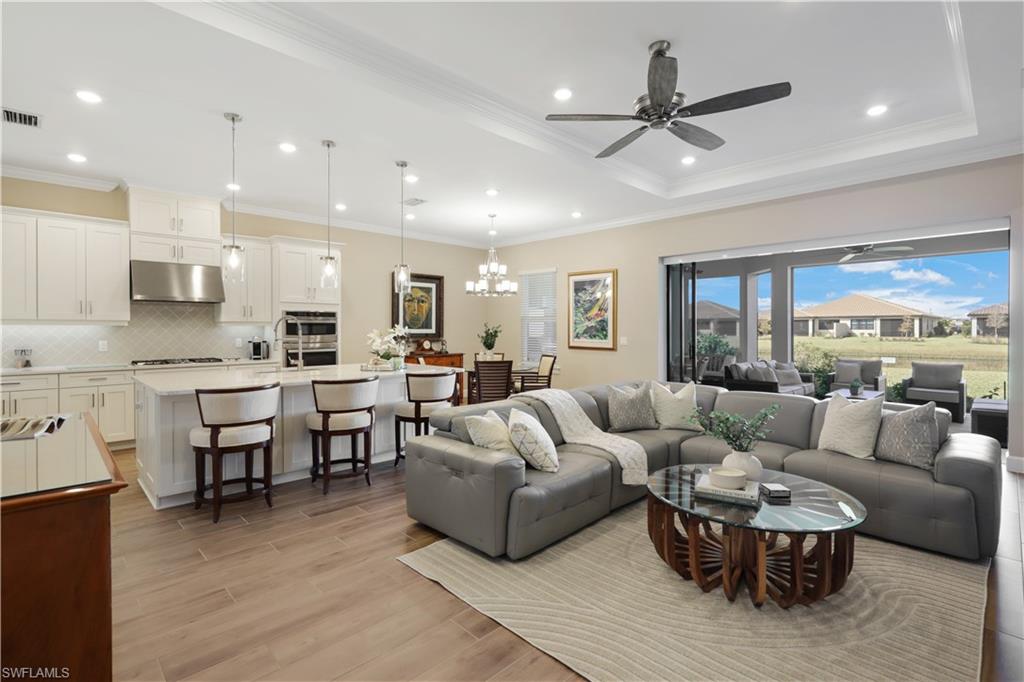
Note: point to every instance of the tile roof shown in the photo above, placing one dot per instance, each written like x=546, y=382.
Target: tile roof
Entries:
x=994, y=309
x=859, y=305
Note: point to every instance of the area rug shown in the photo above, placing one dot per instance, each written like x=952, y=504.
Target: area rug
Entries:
x=605, y=605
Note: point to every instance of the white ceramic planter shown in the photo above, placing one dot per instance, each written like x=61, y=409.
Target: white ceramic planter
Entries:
x=747, y=462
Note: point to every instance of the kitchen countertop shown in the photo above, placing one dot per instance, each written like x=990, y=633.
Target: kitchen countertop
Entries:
x=180, y=383
x=125, y=366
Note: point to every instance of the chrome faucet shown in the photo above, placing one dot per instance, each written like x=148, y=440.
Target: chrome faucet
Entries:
x=277, y=339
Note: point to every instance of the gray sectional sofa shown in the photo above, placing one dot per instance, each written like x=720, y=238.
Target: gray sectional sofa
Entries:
x=492, y=501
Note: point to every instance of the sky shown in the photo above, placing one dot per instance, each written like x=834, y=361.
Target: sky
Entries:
x=947, y=286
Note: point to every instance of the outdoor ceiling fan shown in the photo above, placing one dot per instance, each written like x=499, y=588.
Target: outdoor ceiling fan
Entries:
x=855, y=251
x=663, y=107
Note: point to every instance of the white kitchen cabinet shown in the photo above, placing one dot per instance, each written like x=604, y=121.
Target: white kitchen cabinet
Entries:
x=61, y=269
x=18, y=467
x=18, y=267
x=153, y=248
x=117, y=412
x=249, y=301
x=162, y=214
x=82, y=399
x=298, y=274
x=33, y=403
x=107, y=273
x=199, y=218
x=5, y=403
x=198, y=252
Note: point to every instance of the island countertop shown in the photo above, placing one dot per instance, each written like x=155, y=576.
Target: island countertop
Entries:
x=178, y=383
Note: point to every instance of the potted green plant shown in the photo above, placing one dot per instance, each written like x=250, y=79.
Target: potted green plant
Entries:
x=740, y=433
x=489, y=337
x=856, y=386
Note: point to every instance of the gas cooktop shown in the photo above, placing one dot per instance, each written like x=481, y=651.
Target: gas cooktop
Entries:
x=175, y=361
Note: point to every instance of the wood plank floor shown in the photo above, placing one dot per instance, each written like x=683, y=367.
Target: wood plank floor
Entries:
x=310, y=590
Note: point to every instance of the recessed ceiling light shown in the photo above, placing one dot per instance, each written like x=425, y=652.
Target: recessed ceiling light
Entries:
x=412, y=178
x=491, y=192
x=88, y=96
x=877, y=110
x=76, y=158
x=340, y=207
x=688, y=160
x=492, y=232
x=577, y=214
x=233, y=187
x=563, y=94
x=286, y=147
x=410, y=216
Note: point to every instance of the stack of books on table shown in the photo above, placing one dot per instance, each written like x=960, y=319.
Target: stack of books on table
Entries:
x=747, y=495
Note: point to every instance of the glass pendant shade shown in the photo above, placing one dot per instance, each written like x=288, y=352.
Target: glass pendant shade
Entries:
x=234, y=264
x=329, y=272
x=403, y=279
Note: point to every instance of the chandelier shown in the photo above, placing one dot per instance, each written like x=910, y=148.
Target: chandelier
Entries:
x=493, y=274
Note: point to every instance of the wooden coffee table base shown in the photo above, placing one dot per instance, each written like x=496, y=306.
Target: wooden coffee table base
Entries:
x=784, y=571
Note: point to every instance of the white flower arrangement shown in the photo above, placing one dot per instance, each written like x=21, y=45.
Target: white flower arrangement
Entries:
x=388, y=343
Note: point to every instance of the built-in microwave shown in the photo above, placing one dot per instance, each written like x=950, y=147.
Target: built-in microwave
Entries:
x=317, y=327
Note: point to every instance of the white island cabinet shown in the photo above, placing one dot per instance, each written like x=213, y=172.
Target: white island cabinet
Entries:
x=166, y=411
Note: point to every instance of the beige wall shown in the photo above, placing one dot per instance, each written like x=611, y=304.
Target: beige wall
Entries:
x=367, y=260
x=979, y=191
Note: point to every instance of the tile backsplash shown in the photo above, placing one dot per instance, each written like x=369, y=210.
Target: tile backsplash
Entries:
x=156, y=330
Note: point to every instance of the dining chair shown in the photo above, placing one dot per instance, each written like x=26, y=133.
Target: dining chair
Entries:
x=536, y=379
x=493, y=381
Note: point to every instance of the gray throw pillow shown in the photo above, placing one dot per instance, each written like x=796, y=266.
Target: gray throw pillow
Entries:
x=788, y=377
x=909, y=437
x=847, y=372
x=756, y=373
x=782, y=365
x=631, y=409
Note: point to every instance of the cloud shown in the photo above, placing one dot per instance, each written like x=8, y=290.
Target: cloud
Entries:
x=876, y=266
x=764, y=302
x=831, y=294
x=805, y=304
x=992, y=275
x=925, y=275
x=941, y=305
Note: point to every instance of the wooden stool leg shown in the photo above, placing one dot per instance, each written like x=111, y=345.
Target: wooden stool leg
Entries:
x=314, y=439
x=416, y=426
x=367, y=448
x=355, y=451
x=398, y=440
x=248, y=471
x=200, y=477
x=325, y=449
x=218, y=483
x=268, y=474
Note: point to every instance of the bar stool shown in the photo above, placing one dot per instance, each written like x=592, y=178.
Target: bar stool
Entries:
x=234, y=420
x=425, y=393
x=343, y=408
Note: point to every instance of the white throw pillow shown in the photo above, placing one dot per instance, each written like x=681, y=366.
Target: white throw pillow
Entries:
x=673, y=410
x=851, y=426
x=532, y=441
x=490, y=431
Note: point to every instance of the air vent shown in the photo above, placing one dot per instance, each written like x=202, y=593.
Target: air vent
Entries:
x=414, y=201
x=21, y=118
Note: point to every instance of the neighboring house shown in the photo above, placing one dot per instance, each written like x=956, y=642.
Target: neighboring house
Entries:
x=860, y=315
x=992, y=320
x=715, y=318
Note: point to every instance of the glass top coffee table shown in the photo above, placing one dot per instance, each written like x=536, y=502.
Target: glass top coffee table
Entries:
x=795, y=552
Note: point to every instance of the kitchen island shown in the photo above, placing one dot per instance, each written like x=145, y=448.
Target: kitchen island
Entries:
x=166, y=411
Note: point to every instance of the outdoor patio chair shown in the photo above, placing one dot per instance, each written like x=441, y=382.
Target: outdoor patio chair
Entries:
x=942, y=382
x=868, y=371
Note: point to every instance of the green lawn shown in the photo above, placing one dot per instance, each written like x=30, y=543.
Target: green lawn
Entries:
x=985, y=363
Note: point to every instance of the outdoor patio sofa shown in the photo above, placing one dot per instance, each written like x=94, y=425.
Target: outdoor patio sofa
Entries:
x=738, y=378
x=492, y=501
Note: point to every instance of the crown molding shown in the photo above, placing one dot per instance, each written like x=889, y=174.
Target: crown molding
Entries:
x=848, y=179
x=95, y=184
x=343, y=224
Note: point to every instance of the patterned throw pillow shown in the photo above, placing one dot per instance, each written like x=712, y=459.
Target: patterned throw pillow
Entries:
x=630, y=409
x=532, y=441
x=490, y=431
x=851, y=426
x=909, y=437
x=673, y=410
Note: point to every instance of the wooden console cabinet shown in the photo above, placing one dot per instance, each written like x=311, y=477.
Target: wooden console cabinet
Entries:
x=439, y=360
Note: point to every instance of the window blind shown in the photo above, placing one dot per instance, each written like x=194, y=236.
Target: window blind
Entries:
x=537, y=314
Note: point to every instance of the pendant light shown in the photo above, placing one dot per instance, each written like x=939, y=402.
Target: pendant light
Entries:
x=494, y=279
x=402, y=276
x=328, y=263
x=234, y=257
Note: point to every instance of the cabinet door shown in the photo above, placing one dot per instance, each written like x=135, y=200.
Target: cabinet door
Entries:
x=235, y=307
x=199, y=218
x=5, y=404
x=18, y=467
x=107, y=274
x=195, y=252
x=79, y=400
x=33, y=403
x=320, y=294
x=153, y=212
x=258, y=282
x=60, y=246
x=149, y=247
x=117, y=412
x=18, y=267
x=293, y=274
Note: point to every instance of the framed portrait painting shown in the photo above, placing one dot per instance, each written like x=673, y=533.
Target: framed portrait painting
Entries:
x=593, y=309
x=422, y=309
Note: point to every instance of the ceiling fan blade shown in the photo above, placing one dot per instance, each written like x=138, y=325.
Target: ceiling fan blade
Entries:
x=662, y=74
x=737, y=100
x=848, y=257
x=589, y=117
x=622, y=142
x=695, y=135
x=893, y=249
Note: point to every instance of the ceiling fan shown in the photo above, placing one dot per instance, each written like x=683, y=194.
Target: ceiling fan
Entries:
x=663, y=107
x=855, y=251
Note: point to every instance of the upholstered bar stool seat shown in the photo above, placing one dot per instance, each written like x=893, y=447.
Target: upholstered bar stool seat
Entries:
x=343, y=408
x=338, y=422
x=255, y=434
x=409, y=409
x=424, y=393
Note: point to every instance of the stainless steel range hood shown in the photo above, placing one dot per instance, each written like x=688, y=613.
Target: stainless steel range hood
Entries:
x=176, y=282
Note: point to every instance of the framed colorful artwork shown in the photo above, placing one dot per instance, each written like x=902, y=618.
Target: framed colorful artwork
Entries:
x=593, y=309
x=422, y=309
